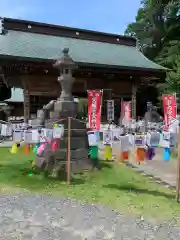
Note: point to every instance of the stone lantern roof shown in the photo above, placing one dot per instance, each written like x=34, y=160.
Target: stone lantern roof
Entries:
x=65, y=61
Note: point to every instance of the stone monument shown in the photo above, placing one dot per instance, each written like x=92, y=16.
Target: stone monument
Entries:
x=152, y=117
x=60, y=110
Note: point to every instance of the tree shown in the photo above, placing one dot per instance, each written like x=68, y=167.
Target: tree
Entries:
x=173, y=78
x=158, y=33
x=137, y=29
x=169, y=55
x=156, y=23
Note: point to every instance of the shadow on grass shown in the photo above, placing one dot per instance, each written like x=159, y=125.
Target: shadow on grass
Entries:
x=106, y=164
x=16, y=171
x=22, y=175
x=77, y=179
x=136, y=190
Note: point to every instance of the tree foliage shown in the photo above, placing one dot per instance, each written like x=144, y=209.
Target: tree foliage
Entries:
x=157, y=29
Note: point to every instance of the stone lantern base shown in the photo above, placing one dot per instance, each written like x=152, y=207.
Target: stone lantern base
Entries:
x=56, y=161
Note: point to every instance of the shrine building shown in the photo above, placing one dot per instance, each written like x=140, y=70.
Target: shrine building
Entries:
x=105, y=61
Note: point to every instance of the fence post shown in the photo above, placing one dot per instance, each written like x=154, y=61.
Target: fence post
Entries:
x=69, y=152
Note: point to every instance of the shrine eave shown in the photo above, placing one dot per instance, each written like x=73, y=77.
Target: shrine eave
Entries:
x=86, y=64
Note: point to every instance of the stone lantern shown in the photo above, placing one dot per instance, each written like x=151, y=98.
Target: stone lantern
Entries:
x=65, y=103
x=61, y=111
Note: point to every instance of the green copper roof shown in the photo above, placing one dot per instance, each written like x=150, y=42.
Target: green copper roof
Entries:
x=32, y=45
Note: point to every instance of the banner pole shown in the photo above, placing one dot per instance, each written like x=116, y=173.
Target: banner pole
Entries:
x=178, y=168
x=121, y=114
x=101, y=105
x=175, y=96
x=178, y=160
x=69, y=152
x=88, y=109
x=101, y=102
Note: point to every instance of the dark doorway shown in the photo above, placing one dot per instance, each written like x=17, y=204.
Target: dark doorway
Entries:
x=145, y=94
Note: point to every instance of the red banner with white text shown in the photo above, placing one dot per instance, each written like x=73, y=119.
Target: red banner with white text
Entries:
x=169, y=106
x=94, y=109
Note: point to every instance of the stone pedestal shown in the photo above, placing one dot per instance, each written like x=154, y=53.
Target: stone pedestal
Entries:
x=57, y=160
x=63, y=109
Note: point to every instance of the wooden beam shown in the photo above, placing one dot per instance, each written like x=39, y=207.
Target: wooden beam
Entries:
x=26, y=102
x=134, y=91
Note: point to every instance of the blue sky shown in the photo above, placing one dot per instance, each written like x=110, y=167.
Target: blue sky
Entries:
x=95, y=14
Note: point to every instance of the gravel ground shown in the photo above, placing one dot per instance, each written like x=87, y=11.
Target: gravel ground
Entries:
x=44, y=217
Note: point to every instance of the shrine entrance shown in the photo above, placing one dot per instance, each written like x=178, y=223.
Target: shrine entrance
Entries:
x=146, y=94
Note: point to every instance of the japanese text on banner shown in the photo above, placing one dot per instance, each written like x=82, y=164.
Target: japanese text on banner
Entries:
x=169, y=105
x=94, y=109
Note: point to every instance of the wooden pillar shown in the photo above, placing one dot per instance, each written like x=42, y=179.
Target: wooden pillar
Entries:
x=110, y=94
x=85, y=85
x=26, y=105
x=134, y=90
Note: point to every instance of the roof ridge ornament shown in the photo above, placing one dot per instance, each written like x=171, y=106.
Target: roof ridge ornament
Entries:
x=65, y=52
x=1, y=26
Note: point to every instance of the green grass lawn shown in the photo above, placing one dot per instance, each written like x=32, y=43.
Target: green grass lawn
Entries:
x=116, y=185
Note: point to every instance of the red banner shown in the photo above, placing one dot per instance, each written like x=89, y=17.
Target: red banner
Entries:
x=169, y=105
x=94, y=109
x=126, y=110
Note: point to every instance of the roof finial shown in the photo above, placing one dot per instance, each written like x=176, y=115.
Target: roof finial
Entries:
x=65, y=51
